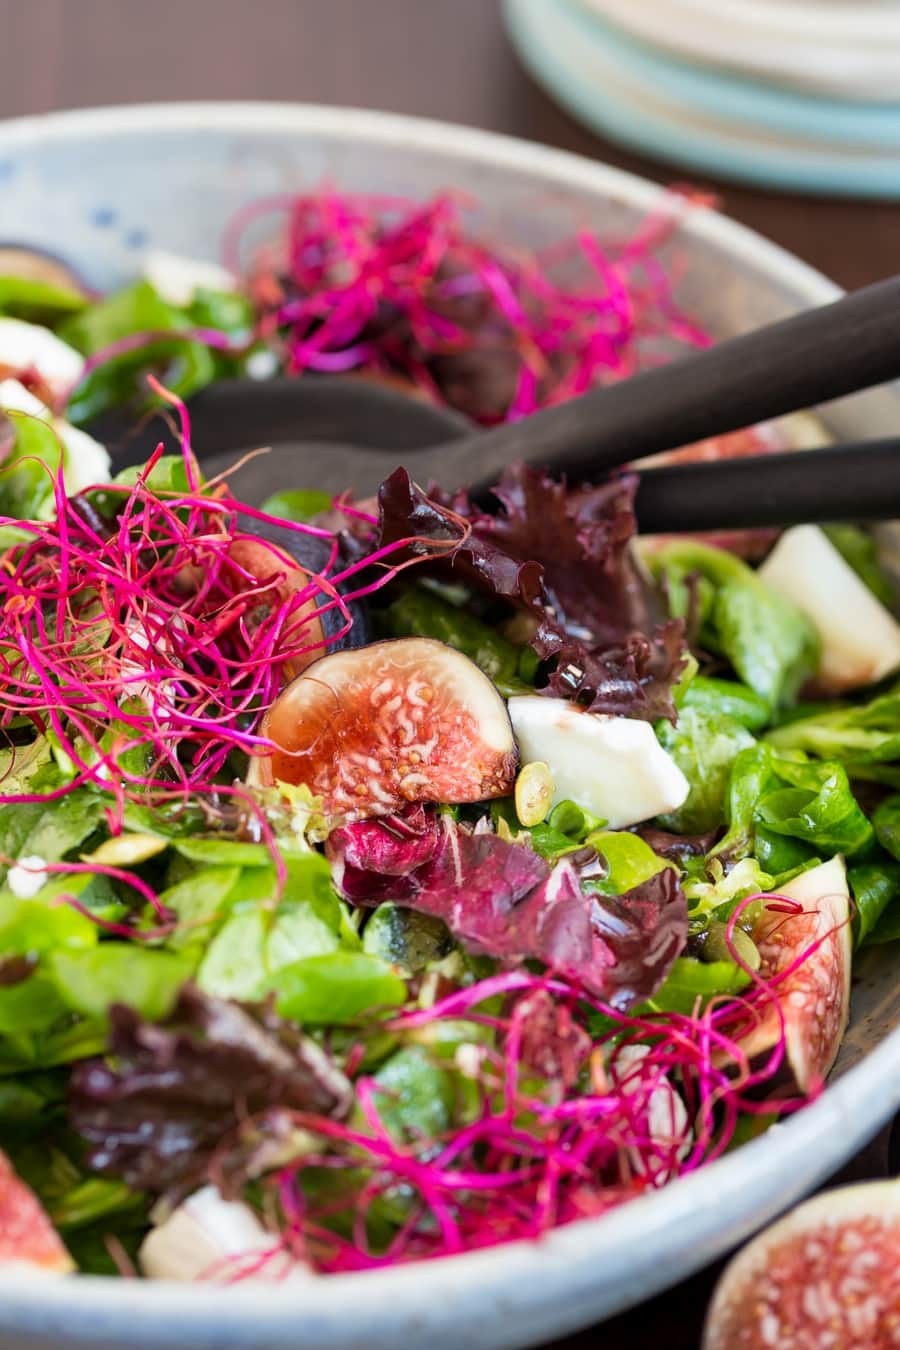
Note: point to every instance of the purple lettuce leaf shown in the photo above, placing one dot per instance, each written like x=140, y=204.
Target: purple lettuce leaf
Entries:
x=563, y=555
x=501, y=899
x=174, y=1092
x=377, y=860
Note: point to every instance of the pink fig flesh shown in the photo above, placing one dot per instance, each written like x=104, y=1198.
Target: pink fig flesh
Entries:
x=26, y=1234
x=826, y=1277
x=370, y=729
x=814, y=999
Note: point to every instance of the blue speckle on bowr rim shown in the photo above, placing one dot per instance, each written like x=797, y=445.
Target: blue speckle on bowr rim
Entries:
x=104, y=217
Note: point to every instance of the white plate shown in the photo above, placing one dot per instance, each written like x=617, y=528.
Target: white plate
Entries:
x=701, y=118
x=846, y=50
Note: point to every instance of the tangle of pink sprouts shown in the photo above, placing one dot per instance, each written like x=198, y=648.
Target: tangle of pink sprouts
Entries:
x=149, y=634
x=387, y=285
x=533, y=1152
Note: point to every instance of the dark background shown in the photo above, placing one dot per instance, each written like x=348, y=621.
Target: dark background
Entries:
x=436, y=58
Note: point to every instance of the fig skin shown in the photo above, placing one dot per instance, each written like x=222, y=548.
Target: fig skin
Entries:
x=373, y=729
x=827, y=1275
x=34, y=265
x=815, y=998
x=311, y=554
x=26, y=1234
x=263, y=561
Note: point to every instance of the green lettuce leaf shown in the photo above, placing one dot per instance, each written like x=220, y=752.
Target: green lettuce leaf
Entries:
x=416, y=1096
x=228, y=311
x=38, y=301
x=727, y=698
x=887, y=928
x=772, y=646
x=201, y=903
x=859, y=548
x=187, y=365
x=27, y=472
x=421, y=612
x=49, y=830
x=259, y=939
x=690, y=980
x=300, y=504
x=786, y=810
x=886, y=823
x=864, y=737
x=44, y=923
x=147, y=979
x=630, y=861
x=875, y=887
x=336, y=988
x=704, y=745
x=816, y=806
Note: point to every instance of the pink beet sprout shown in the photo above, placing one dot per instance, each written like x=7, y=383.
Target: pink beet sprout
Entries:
x=397, y=288
x=147, y=635
x=571, y=1108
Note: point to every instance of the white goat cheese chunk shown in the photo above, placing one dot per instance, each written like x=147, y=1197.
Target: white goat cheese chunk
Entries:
x=613, y=767
x=860, y=637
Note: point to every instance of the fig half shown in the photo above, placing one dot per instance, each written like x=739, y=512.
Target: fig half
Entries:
x=259, y=563
x=815, y=998
x=33, y=265
x=26, y=1234
x=373, y=728
x=299, y=556
x=826, y=1275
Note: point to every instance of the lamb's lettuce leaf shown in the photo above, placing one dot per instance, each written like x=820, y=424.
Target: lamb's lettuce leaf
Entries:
x=49, y=829
x=691, y=982
x=785, y=810
x=187, y=365
x=335, y=988
x=772, y=646
x=29, y=467
x=864, y=737
x=38, y=301
x=727, y=698
x=875, y=887
x=421, y=613
x=860, y=549
x=886, y=823
x=92, y=979
x=704, y=745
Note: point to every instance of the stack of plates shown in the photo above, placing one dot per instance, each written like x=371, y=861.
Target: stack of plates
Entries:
x=798, y=94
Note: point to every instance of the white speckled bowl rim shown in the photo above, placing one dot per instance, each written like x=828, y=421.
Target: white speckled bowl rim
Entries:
x=520, y=1293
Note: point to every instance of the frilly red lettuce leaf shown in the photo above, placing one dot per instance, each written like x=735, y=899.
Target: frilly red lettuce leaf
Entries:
x=501, y=899
x=563, y=555
x=376, y=860
x=172, y=1092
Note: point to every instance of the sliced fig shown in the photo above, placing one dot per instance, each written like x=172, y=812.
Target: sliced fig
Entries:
x=303, y=555
x=26, y=1234
x=373, y=728
x=260, y=563
x=826, y=1275
x=32, y=265
x=815, y=998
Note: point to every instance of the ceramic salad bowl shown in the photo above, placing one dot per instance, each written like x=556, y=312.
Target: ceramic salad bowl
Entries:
x=98, y=188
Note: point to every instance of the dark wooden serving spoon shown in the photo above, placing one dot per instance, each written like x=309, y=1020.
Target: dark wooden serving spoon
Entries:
x=336, y=434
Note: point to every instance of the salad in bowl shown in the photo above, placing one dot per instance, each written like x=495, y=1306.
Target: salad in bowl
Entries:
x=389, y=879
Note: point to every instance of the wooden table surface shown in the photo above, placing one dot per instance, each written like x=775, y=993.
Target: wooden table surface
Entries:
x=436, y=58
